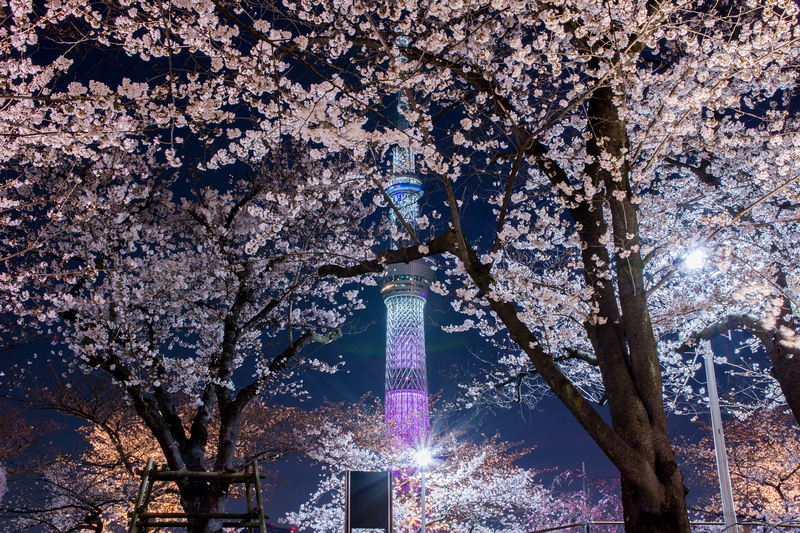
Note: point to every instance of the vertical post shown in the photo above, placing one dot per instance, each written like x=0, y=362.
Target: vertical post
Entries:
x=347, y=503
x=390, y=502
x=423, y=525
x=585, y=499
x=723, y=471
x=138, y=506
x=262, y=523
x=247, y=492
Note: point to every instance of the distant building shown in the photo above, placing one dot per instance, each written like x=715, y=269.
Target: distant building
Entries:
x=405, y=289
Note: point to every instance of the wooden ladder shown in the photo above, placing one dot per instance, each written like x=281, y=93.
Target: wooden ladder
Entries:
x=141, y=519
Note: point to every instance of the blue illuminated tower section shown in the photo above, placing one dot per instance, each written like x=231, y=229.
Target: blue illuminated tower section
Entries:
x=405, y=288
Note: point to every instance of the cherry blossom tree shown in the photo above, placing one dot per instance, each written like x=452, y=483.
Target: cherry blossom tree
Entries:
x=577, y=153
x=195, y=306
x=172, y=287
x=762, y=454
x=469, y=486
x=609, y=141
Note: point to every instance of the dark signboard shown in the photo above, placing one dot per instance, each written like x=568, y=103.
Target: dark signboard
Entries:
x=368, y=500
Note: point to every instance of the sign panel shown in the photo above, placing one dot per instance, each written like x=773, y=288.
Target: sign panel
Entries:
x=368, y=500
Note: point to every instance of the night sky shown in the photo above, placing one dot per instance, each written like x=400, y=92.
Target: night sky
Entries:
x=560, y=442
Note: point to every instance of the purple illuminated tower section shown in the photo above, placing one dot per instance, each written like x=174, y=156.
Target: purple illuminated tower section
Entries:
x=405, y=288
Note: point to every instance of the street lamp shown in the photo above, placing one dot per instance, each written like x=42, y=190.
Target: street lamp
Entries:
x=694, y=259
x=423, y=458
x=723, y=472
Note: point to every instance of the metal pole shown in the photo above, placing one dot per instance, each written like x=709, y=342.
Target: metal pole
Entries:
x=728, y=509
x=347, y=524
x=585, y=499
x=422, y=490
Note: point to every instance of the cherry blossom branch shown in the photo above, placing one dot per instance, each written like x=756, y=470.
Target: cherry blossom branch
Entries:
x=443, y=243
x=198, y=432
x=279, y=363
x=396, y=210
x=574, y=353
x=718, y=231
x=620, y=453
x=507, y=197
x=729, y=323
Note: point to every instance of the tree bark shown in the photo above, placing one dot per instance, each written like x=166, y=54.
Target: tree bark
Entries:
x=786, y=368
x=200, y=496
x=783, y=350
x=668, y=516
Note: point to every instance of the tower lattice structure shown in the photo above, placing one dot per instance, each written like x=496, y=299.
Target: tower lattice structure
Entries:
x=405, y=289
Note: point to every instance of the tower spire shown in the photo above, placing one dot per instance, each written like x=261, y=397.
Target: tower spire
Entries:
x=405, y=288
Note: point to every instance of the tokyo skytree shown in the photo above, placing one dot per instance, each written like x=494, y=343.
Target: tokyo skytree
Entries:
x=404, y=287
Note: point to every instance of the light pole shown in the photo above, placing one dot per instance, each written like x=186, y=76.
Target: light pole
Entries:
x=692, y=261
x=423, y=458
x=723, y=472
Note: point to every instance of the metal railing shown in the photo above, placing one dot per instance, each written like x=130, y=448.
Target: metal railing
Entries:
x=745, y=527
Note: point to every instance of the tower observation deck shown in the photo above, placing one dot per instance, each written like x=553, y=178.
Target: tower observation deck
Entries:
x=405, y=287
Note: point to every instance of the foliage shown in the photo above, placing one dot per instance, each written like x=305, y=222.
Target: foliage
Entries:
x=180, y=301
x=609, y=142
x=763, y=459
x=578, y=153
x=469, y=486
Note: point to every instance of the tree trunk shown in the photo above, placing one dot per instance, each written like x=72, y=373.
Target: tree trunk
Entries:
x=200, y=496
x=783, y=352
x=786, y=369
x=637, y=443
x=641, y=516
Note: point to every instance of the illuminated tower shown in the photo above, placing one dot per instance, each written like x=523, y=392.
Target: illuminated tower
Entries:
x=405, y=288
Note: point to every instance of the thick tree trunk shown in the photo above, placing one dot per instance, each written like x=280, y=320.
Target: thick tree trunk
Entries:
x=188, y=452
x=653, y=495
x=783, y=352
x=200, y=497
x=622, y=334
x=668, y=515
x=637, y=443
x=786, y=368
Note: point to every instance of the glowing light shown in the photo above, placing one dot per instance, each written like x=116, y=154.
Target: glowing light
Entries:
x=423, y=457
x=694, y=259
x=407, y=420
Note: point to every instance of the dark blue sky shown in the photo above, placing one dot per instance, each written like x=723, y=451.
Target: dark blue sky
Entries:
x=560, y=442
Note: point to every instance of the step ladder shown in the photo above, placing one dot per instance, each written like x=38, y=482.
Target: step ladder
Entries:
x=253, y=519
